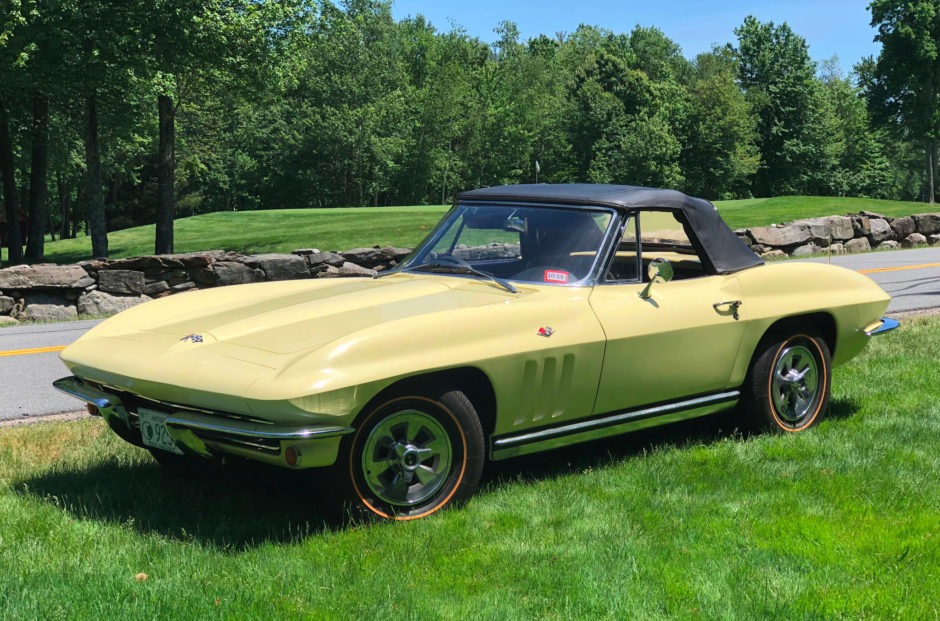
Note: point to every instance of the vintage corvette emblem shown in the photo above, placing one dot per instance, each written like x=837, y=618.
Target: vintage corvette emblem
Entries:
x=546, y=331
x=192, y=338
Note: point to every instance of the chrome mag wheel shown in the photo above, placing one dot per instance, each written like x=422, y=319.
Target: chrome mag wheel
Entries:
x=795, y=383
x=406, y=458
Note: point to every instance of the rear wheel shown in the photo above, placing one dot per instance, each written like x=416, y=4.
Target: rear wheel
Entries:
x=790, y=382
x=415, y=455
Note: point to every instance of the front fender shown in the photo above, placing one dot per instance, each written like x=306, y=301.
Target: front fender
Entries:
x=538, y=378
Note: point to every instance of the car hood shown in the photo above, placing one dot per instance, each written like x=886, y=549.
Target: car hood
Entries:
x=232, y=336
x=293, y=316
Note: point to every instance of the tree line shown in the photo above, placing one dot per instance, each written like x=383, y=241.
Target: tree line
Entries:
x=127, y=112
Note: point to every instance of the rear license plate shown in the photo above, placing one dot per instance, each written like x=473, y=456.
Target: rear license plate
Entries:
x=154, y=432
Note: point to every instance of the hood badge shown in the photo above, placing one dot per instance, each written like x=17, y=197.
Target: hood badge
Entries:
x=192, y=338
x=546, y=331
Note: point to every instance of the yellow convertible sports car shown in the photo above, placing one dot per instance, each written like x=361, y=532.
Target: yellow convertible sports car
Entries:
x=532, y=317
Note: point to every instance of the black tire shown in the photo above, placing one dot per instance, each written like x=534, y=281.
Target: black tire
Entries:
x=790, y=381
x=414, y=455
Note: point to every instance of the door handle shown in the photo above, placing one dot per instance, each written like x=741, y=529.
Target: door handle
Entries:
x=734, y=304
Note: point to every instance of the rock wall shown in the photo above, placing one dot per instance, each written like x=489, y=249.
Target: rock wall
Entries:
x=49, y=292
x=854, y=232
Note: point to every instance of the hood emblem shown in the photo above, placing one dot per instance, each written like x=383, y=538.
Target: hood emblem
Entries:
x=192, y=338
x=546, y=331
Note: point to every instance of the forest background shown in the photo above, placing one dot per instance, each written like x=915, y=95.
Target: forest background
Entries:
x=128, y=112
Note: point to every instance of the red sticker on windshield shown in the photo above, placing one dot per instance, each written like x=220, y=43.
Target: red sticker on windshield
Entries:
x=556, y=276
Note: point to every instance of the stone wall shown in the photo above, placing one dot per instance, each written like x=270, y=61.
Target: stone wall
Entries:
x=854, y=232
x=48, y=292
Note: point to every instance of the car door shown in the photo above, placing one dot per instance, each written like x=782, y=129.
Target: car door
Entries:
x=674, y=344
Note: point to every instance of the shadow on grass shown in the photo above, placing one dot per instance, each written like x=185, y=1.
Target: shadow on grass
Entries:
x=243, y=506
x=840, y=409
x=233, y=507
x=699, y=431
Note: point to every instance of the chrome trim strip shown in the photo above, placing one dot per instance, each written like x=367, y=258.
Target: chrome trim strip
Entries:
x=109, y=407
x=169, y=405
x=75, y=387
x=597, y=433
x=616, y=418
x=887, y=325
x=185, y=408
x=283, y=433
x=107, y=403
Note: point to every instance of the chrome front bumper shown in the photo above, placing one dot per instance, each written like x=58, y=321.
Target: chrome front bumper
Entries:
x=885, y=324
x=209, y=434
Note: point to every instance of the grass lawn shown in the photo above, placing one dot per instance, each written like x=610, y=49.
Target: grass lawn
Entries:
x=764, y=211
x=682, y=522
x=276, y=230
x=283, y=230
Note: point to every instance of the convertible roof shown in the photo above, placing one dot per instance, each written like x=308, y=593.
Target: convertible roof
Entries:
x=726, y=252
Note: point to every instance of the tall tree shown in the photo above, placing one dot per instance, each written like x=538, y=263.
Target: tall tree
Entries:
x=196, y=43
x=777, y=75
x=10, y=191
x=166, y=175
x=904, y=85
x=100, y=45
x=719, y=155
x=38, y=188
x=97, y=223
x=14, y=54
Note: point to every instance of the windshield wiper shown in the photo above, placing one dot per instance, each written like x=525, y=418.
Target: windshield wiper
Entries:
x=396, y=270
x=450, y=263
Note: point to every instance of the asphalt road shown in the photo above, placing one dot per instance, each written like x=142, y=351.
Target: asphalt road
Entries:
x=26, y=375
x=912, y=277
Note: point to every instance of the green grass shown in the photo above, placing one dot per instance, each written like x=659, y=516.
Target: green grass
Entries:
x=276, y=230
x=764, y=211
x=842, y=522
x=283, y=230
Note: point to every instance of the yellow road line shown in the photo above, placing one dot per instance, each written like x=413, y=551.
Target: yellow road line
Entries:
x=897, y=269
x=35, y=350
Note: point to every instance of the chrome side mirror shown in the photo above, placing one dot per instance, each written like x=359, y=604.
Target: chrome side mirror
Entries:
x=658, y=268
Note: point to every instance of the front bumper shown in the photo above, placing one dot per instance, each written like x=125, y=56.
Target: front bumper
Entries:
x=210, y=434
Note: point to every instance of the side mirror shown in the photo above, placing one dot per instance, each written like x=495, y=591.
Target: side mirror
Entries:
x=658, y=268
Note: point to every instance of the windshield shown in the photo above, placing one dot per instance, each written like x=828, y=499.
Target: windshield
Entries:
x=524, y=244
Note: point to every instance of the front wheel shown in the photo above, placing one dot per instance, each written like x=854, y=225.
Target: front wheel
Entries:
x=415, y=455
x=790, y=381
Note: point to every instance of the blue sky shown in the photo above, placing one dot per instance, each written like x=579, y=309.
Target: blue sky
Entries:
x=829, y=26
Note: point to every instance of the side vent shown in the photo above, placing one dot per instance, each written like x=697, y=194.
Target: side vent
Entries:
x=546, y=388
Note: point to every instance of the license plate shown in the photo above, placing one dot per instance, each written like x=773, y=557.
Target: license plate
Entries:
x=154, y=432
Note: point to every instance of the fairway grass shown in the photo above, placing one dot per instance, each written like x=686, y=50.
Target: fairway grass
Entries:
x=766, y=211
x=275, y=230
x=283, y=230
x=688, y=521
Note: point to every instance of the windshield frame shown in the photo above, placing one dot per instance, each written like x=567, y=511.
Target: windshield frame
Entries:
x=418, y=257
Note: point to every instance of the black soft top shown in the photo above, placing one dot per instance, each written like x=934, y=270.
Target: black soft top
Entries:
x=725, y=251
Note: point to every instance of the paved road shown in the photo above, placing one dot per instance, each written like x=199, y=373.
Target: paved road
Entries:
x=26, y=378
x=910, y=289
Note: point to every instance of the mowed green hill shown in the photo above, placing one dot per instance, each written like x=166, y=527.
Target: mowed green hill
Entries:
x=283, y=230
